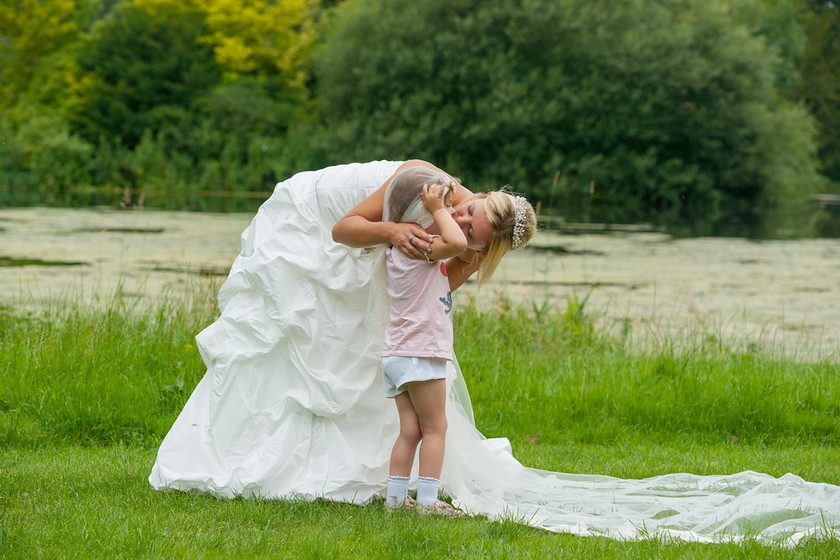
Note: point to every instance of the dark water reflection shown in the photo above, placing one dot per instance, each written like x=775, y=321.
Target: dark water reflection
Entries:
x=820, y=221
x=826, y=225
x=10, y=261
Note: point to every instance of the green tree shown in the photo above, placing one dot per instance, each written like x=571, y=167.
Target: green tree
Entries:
x=38, y=41
x=190, y=96
x=40, y=87
x=145, y=74
x=641, y=110
x=249, y=37
x=819, y=66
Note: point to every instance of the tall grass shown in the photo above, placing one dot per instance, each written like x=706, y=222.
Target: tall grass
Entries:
x=101, y=376
x=98, y=376
x=86, y=395
x=530, y=367
x=122, y=373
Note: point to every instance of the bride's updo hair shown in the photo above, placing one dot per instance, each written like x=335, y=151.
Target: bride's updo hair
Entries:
x=514, y=223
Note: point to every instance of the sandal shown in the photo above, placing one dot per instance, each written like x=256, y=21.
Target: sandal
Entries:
x=440, y=508
x=407, y=505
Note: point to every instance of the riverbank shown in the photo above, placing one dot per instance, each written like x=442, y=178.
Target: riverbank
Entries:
x=768, y=294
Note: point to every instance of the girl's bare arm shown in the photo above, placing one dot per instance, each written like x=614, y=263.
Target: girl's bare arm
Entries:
x=451, y=240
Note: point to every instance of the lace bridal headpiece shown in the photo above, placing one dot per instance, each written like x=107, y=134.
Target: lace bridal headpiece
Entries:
x=519, y=221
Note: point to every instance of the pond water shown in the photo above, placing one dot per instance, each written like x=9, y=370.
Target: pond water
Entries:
x=783, y=295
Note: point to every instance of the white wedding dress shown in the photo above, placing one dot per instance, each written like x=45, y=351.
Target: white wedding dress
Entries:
x=292, y=403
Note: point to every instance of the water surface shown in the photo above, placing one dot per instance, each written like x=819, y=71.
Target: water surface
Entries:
x=781, y=294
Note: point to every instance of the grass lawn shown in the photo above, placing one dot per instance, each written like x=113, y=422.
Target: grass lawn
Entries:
x=95, y=502
x=86, y=396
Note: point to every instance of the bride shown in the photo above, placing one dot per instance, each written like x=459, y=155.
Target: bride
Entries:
x=292, y=404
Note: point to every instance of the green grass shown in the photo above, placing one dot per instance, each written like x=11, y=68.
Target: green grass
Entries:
x=529, y=367
x=78, y=502
x=86, y=395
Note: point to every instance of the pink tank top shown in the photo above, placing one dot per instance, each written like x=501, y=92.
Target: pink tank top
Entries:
x=420, y=323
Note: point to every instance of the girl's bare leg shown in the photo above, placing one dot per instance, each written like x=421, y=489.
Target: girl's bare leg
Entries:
x=428, y=399
x=402, y=454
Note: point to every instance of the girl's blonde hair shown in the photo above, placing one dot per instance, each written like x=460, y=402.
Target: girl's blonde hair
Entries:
x=514, y=222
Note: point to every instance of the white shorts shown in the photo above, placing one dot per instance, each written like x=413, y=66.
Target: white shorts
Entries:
x=399, y=370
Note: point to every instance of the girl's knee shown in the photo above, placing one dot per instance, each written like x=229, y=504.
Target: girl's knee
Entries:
x=436, y=426
x=411, y=434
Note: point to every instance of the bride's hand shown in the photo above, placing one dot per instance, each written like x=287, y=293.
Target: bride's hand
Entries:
x=411, y=240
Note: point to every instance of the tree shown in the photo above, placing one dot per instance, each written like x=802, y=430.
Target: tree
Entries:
x=643, y=110
x=251, y=37
x=145, y=73
x=199, y=82
x=37, y=51
x=819, y=66
x=40, y=88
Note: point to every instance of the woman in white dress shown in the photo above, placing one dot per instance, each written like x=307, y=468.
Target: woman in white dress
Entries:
x=292, y=405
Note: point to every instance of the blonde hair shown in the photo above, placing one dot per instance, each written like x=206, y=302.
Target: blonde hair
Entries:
x=501, y=209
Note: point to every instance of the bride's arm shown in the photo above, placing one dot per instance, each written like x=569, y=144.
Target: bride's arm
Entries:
x=363, y=225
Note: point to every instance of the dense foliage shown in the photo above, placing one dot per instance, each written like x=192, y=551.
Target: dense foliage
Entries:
x=820, y=84
x=640, y=110
x=169, y=99
x=695, y=114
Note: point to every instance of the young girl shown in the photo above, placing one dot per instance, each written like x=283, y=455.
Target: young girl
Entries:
x=418, y=340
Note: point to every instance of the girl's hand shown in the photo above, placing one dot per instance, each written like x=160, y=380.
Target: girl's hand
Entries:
x=448, y=200
x=433, y=197
x=411, y=240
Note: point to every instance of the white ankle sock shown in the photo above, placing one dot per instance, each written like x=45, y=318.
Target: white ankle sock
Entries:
x=427, y=490
x=397, y=489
